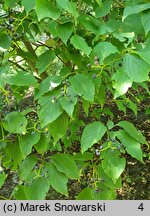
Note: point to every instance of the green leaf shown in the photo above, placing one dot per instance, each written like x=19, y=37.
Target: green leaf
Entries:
x=64, y=31
x=132, y=131
x=122, y=83
x=103, y=9
x=5, y=41
x=66, y=164
x=131, y=105
x=101, y=95
x=130, y=23
x=2, y=84
x=86, y=106
x=136, y=68
x=68, y=6
x=36, y=191
x=146, y=20
x=10, y=3
x=90, y=23
x=102, y=50
x=19, y=78
x=3, y=177
x=86, y=156
x=28, y=110
x=27, y=142
x=43, y=144
x=113, y=164
x=106, y=180
x=108, y=112
x=67, y=105
x=144, y=53
x=134, y=9
x=133, y=147
x=110, y=124
x=83, y=86
x=92, y=133
x=85, y=194
x=15, y=122
x=57, y=179
x=45, y=60
x=79, y=43
x=59, y=127
x=127, y=38
x=28, y=4
x=47, y=85
x=49, y=111
x=65, y=4
x=104, y=193
x=121, y=105
x=19, y=193
x=14, y=153
x=26, y=166
x=43, y=88
x=46, y=9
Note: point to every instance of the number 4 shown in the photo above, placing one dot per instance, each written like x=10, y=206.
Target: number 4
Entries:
x=141, y=207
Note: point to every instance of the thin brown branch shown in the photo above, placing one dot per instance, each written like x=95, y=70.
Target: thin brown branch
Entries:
x=17, y=65
x=30, y=48
x=42, y=44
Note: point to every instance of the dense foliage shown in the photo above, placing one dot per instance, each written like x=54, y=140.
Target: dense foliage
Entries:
x=68, y=70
